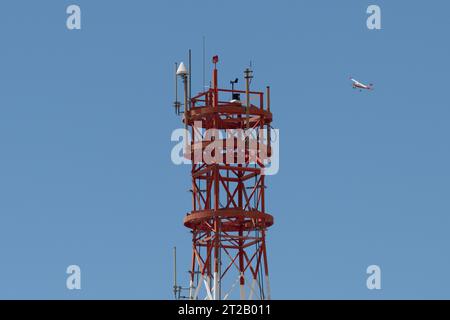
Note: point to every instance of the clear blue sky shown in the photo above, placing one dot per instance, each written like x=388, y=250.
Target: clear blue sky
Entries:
x=85, y=123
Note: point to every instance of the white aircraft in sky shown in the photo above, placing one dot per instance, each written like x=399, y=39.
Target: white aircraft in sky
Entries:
x=361, y=86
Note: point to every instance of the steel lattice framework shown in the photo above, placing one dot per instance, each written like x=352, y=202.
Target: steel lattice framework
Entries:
x=228, y=218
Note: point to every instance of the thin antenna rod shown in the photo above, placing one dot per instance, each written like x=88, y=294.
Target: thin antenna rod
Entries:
x=176, y=88
x=248, y=75
x=190, y=77
x=204, y=62
x=175, y=285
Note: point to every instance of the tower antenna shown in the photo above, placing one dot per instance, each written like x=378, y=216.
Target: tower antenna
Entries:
x=175, y=285
x=176, y=103
x=204, y=62
x=190, y=76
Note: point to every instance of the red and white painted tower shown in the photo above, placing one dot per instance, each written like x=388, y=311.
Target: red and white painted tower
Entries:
x=228, y=219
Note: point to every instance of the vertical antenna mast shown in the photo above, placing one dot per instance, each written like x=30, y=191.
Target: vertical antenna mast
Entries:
x=204, y=57
x=176, y=82
x=248, y=75
x=190, y=76
x=176, y=104
x=185, y=76
x=175, y=285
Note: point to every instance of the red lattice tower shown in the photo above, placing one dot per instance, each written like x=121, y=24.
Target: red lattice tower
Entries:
x=228, y=220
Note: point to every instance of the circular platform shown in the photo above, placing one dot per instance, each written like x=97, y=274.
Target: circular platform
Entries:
x=231, y=219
